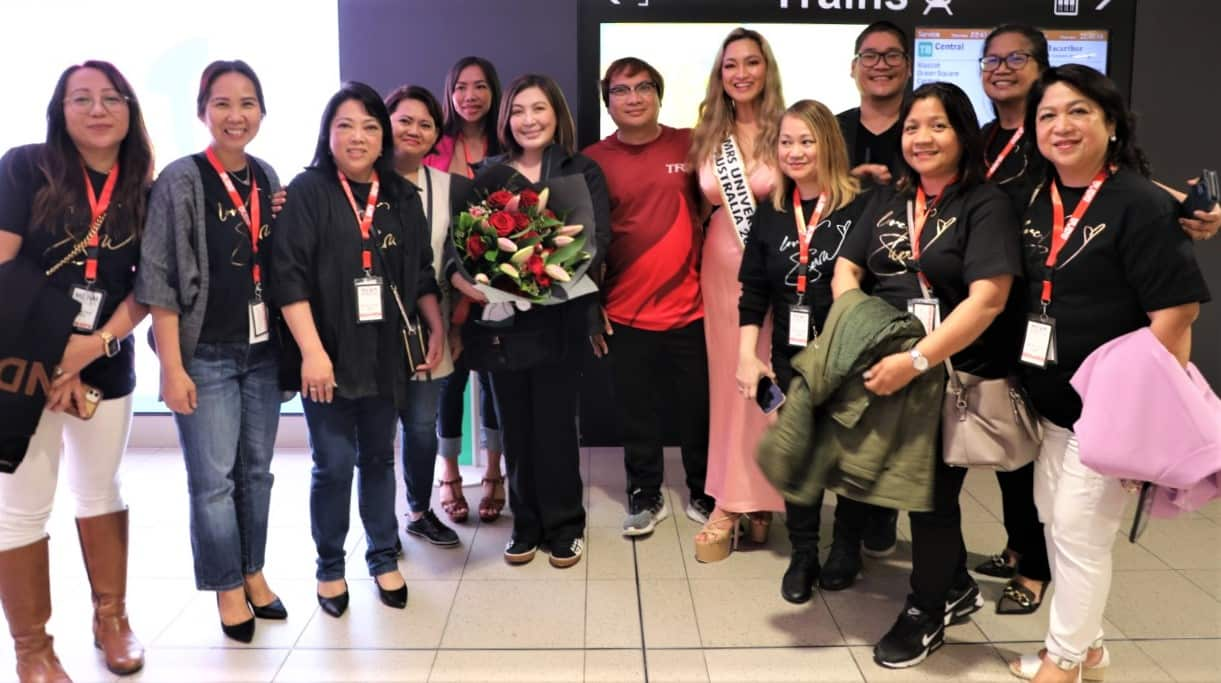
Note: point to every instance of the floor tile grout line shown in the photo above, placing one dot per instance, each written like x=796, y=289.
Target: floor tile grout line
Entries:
x=644, y=650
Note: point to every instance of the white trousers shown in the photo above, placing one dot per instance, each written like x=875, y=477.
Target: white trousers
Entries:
x=1081, y=511
x=93, y=449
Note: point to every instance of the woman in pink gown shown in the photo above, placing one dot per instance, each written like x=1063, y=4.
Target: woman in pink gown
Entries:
x=743, y=101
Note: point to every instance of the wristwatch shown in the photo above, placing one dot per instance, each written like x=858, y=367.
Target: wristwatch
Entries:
x=110, y=345
x=919, y=362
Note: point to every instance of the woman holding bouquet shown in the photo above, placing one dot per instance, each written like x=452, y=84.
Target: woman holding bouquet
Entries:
x=472, y=98
x=535, y=354
x=351, y=241
x=736, y=135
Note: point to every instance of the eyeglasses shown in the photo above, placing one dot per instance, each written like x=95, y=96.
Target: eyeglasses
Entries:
x=892, y=58
x=111, y=102
x=1015, y=61
x=643, y=89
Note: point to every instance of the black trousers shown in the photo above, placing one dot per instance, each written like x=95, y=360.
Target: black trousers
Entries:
x=1022, y=522
x=652, y=370
x=939, y=555
x=538, y=422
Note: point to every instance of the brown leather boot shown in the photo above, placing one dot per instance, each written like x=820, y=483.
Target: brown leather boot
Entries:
x=104, y=545
x=25, y=591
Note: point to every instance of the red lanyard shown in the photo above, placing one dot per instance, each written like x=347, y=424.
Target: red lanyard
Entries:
x=466, y=155
x=97, y=207
x=805, y=235
x=918, y=221
x=365, y=221
x=1061, y=231
x=251, y=219
x=1000, y=159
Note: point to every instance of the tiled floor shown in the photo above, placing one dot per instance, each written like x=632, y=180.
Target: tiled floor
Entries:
x=631, y=611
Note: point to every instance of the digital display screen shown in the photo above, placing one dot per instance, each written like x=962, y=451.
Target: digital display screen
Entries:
x=952, y=54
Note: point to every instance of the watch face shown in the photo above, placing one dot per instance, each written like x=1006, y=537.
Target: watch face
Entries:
x=113, y=346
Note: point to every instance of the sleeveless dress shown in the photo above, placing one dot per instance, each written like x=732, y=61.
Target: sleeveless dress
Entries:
x=735, y=424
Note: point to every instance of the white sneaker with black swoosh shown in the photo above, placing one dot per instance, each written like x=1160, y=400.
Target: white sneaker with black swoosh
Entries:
x=913, y=638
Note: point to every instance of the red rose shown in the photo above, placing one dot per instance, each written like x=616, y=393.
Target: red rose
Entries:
x=503, y=223
x=500, y=199
x=549, y=213
x=529, y=234
x=536, y=267
x=529, y=198
x=521, y=219
x=543, y=281
x=474, y=246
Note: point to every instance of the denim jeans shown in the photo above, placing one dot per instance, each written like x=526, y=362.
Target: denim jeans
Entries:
x=452, y=409
x=420, y=441
x=227, y=444
x=345, y=435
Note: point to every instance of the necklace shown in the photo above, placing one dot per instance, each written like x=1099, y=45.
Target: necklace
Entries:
x=240, y=179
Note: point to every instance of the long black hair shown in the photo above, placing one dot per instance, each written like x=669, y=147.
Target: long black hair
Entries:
x=453, y=121
x=60, y=161
x=422, y=95
x=372, y=102
x=1093, y=85
x=961, y=116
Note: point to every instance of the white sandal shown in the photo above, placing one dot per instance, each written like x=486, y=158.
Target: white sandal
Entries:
x=1028, y=665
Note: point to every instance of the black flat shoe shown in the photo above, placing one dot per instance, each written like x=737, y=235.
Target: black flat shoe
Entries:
x=335, y=606
x=396, y=598
x=797, y=586
x=272, y=610
x=242, y=633
x=999, y=566
x=1018, y=599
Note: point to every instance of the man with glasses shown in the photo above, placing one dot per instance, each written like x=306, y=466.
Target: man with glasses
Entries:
x=881, y=68
x=652, y=307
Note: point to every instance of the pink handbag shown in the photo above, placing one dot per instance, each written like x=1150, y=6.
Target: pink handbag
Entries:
x=1144, y=418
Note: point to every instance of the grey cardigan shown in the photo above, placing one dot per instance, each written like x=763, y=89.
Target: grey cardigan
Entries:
x=173, y=271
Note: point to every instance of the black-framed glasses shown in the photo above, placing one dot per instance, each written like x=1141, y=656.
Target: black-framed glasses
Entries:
x=111, y=102
x=643, y=89
x=890, y=57
x=1015, y=61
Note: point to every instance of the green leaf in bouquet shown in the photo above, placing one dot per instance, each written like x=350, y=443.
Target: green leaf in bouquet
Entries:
x=563, y=254
x=490, y=256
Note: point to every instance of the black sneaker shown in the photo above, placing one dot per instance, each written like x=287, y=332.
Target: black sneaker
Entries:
x=566, y=553
x=913, y=638
x=961, y=603
x=879, y=538
x=842, y=569
x=431, y=529
x=699, y=508
x=645, y=510
x=519, y=552
x=797, y=586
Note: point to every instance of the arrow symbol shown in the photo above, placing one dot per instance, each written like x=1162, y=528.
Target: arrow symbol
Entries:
x=1102, y=5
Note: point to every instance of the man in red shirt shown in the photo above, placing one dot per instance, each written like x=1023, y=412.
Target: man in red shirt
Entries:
x=652, y=293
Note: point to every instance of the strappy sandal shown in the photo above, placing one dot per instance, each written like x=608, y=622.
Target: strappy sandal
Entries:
x=718, y=537
x=760, y=525
x=491, y=505
x=1018, y=599
x=456, y=506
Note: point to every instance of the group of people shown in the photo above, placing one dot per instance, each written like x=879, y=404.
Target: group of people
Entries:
x=716, y=252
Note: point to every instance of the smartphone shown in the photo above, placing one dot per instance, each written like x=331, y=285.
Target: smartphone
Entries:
x=1203, y=195
x=768, y=395
x=93, y=397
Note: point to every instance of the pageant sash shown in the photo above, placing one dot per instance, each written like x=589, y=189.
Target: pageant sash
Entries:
x=736, y=196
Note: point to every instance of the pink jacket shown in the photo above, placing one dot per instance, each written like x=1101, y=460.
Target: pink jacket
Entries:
x=444, y=154
x=1144, y=418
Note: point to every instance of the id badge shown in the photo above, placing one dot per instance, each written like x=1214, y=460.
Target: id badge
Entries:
x=368, y=299
x=90, y=300
x=927, y=311
x=259, y=331
x=799, y=325
x=1039, y=343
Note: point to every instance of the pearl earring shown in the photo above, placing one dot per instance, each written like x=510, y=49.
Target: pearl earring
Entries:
x=1114, y=139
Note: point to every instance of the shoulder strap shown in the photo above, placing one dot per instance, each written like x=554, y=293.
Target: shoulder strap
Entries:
x=955, y=385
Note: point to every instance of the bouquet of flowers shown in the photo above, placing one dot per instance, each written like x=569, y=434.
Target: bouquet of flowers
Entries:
x=517, y=249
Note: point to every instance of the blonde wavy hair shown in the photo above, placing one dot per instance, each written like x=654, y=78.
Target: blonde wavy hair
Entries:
x=716, y=113
x=832, y=157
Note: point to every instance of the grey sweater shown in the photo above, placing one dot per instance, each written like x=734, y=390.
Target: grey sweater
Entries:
x=173, y=271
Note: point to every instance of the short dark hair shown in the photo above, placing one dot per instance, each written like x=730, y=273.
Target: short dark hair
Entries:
x=219, y=68
x=453, y=122
x=882, y=26
x=961, y=115
x=372, y=102
x=1095, y=86
x=565, y=130
x=1038, y=42
x=423, y=96
x=629, y=66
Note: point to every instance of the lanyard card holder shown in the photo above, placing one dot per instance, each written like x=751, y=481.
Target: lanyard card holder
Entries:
x=1039, y=343
x=259, y=329
x=91, y=301
x=799, y=326
x=368, y=299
